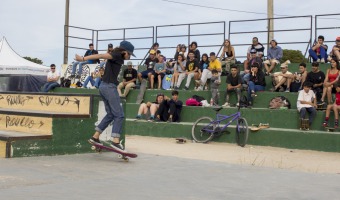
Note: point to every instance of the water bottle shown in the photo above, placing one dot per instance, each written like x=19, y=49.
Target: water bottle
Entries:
x=211, y=102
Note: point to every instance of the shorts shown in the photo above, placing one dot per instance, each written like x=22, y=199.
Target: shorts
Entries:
x=269, y=61
x=156, y=76
x=146, y=72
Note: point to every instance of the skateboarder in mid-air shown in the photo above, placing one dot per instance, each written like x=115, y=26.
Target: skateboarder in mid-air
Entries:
x=108, y=91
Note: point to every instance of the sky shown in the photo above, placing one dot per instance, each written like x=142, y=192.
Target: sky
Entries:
x=35, y=28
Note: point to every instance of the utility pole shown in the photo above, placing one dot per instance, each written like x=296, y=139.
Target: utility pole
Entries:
x=67, y=10
x=270, y=15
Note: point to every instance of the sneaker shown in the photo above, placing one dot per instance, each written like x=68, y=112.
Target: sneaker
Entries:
x=206, y=88
x=78, y=76
x=170, y=120
x=156, y=119
x=226, y=104
x=200, y=88
x=176, y=88
x=186, y=88
x=322, y=60
x=237, y=104
x=138, y=117
x=117, y=146
x=287, y=90
x=318, y=60
x=325, y=124
x=93, y=87
x=281, y=89
x=151, y=119
x=196, y=88
x=94, y=140
x=253, y=94
x=72, y=76
x=198, y=81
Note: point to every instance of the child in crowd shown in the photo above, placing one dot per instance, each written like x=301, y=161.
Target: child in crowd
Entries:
x=160, y=69
x=335, y=107
x=306, y=102
x=215, y=82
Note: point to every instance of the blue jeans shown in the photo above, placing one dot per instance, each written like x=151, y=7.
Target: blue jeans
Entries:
x=49, y=86
x=255, y=88
x=113, y=108
x=74, y=67
x=323, y=54
x=311, y=111
x=102, y=64
x=94, y=83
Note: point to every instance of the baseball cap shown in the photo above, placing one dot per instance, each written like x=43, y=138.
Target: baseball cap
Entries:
x=128, y=47
x=152, y=51
x=129, y=63
x=338, y=39
x=253, y=51
x=110, y=45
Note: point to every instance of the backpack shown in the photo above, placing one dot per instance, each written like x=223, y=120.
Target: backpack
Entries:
x=279, y=102
x=192, y=102
x=65, y=83
x=198, y=98
x=244, y=103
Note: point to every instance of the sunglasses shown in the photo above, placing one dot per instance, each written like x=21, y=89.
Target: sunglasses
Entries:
x=52, y=67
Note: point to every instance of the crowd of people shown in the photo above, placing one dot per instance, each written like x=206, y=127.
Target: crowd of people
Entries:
x=206, y=72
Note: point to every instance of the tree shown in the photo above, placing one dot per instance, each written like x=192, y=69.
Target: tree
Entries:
x=295, y=56
x=35, y=60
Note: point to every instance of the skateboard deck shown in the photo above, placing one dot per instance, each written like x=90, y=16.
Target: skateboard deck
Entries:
x=166, y=82
x=181, y=140
x=121, y=154
x=141, y=91
x=330, y=129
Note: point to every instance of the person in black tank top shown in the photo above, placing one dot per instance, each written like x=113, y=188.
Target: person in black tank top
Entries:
x=108, y=91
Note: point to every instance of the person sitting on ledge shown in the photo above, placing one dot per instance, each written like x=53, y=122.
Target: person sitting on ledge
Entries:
x=52, y=79
x=94, y=79
x=170, y=109
x=129, y=80
x=149, y=108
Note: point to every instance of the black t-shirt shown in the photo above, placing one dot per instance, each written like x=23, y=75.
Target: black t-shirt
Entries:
x=148, y=60
x=112, y=68
x=259, y=78
x=233, y=81
x=316, y=78
x=130, y=74
x=191, y=65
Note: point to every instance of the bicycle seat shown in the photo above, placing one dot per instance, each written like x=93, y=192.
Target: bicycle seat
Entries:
x=217, y=108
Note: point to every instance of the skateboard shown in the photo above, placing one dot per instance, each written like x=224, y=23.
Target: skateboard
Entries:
x=166, y=82
x=304, y=124
x=330, y=129
x=181, y=140
x=141, y=91
x=321, y=107
x=121, y=154
x=255, y=127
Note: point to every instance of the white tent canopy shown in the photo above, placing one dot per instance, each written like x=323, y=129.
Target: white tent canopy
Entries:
x=12, y=63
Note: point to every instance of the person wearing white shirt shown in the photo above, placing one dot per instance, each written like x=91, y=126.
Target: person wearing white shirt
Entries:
x=306, y=102
x=52, y=79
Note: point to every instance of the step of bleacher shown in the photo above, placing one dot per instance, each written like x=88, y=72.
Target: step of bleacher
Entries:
x=277, y=137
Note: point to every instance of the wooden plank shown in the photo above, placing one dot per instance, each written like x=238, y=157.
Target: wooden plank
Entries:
x=26, y=124
x=3, y=149
x=73, y=104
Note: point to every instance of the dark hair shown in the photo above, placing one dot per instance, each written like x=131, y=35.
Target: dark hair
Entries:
x=91, y=44
x=158, y=51
x=303, y=65
x=195, y=43
x=315, y=64
x=52, y=65
x=233, y=66
x=159, y=94
x=336, y=61
x=212, y=54
x=307, y=84
x=155, y=44
x=255, y=64
x=181, y=56
x=256, y=38
x=214, y=71
x=175, y=92
x=321, y=37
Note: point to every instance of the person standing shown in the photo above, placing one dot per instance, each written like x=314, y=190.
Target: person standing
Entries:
x=108, y=92
x=52, y=79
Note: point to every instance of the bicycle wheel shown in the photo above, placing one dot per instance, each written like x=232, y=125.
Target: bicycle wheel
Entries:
x=242, y=132
x=201, y=129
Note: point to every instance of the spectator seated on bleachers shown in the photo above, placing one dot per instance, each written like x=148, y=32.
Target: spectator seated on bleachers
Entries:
x=234, y=84
x=318, y=52
x=181, y=49
x=204, y=64
x=283, y=79
x=206, y=74
x=331, y=78
x=227, y=57
x=52, y=79
x=274, y=55
x=193, y=48
x=253, y=59
x=214, y=85
x=152, y=58
x=109, y=50
x=95, y=79
x=149, y=109
x=259, y=48
x=335, y=107
x=335, y=50
x=129, y=80
x=147, y=74
x=316, y=77
x=306, y=102
x=170, y=109
x=160, y=69
x=299, y=78
x=256, y=82
x=179, y=68
x=190, y=69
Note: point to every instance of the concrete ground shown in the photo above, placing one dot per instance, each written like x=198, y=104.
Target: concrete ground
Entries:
x=156, y=175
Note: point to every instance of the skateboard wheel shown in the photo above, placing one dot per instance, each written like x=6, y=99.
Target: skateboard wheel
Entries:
x=126, y=159
x=120, y=156
x=93, y=148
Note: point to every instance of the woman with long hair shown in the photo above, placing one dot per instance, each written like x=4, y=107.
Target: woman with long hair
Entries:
x=228, y=55
x=332, y=77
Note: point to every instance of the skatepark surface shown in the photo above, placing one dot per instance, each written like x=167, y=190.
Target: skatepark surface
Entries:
x=167, y=170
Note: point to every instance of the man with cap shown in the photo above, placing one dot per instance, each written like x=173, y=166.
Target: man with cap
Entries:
x=317, y=78
x=274, y=54
x=90, y=51
x=129, y=80
x=109, y=49
x=283, y=79
x=259, y=48
x=152, y=58
x=336, y=49
x=108, y=92
x=318, y=52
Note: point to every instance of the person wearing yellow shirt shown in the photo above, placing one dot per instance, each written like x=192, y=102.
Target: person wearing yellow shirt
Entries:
x=214, y=64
